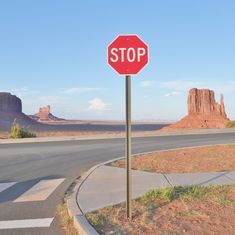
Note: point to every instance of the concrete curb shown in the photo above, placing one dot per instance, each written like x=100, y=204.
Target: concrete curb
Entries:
x=79, y=220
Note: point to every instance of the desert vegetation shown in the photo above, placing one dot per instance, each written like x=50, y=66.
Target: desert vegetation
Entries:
x=230, y=124
x=18, y=132
x=65, y=219
x=176, y=210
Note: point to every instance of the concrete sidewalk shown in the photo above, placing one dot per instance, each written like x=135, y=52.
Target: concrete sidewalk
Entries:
x=106, y=185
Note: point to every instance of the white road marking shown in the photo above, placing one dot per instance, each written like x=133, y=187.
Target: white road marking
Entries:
x=27, y=223
x=40, y=191
x=4, y=186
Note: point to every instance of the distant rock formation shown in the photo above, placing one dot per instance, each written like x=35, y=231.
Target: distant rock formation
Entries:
x=10, y=103
x=10, y=110
x=203, y=102
x=44, y=115
x=203, y=112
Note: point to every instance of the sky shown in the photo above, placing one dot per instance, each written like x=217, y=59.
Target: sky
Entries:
x=55, y=53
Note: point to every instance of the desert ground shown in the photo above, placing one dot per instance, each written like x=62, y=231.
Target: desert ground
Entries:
x=181, y=210
x=198, y=159
x=75, y=127
x=176, y=210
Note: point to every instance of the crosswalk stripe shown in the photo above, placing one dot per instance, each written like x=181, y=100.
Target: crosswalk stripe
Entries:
x=27, y=223
x=40, y=191
x=4, y=186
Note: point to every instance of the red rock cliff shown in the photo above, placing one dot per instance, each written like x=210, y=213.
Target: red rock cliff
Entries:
x=203, y=102
x=203, y=112
x=44, y=115
x=10, y=103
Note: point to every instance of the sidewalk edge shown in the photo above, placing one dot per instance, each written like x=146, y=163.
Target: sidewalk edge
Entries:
x=80, y=222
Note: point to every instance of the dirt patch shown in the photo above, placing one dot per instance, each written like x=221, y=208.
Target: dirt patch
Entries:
x=181, y=210
x=72, y=133
x=3, y=135
x=200, y=159
x=65, y=220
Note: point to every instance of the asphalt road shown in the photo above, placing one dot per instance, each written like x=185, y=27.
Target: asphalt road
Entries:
x=33, y=167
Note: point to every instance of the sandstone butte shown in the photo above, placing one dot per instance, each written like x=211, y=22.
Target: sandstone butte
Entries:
x=10, y=103
x=203, y=112
x=10, y=110
x=44, y=115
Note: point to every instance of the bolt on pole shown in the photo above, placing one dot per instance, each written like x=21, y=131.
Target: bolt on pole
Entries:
x=128, y=147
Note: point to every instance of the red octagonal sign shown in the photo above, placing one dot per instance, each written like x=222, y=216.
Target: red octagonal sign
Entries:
x=127, y=54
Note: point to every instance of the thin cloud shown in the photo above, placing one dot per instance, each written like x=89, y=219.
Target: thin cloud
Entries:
x=23, y=91
x=173, y=93
x=179, y=85
x=58, y=103
x=20, y=90
x=79, y=90
x=184, y=86
x=149, y=83
x=175, y=87
x=54, y=99
x=97, y=105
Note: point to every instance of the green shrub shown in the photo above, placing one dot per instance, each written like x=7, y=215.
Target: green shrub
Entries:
x=97, y=220
x=169, y=194
x=230, y=124
x=18, y=132
x=151, y=196
x=195, y=192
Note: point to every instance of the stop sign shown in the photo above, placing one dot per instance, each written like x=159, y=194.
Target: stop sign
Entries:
x=127, y=54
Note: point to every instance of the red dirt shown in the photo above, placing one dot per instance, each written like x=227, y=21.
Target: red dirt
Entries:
x=200, y=159
x=72, y=133
x=3, y=135
x=213, y=214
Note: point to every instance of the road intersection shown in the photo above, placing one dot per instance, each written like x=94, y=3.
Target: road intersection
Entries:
x=35, y=176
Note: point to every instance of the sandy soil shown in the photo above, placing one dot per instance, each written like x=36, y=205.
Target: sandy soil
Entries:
x=202, y=159
x=3, y=135
x=72, y=133
x=71, y=126
x=75, y=128
x=210, y=211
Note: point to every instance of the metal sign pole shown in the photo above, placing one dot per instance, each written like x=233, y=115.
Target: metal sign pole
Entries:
x=128, y=146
